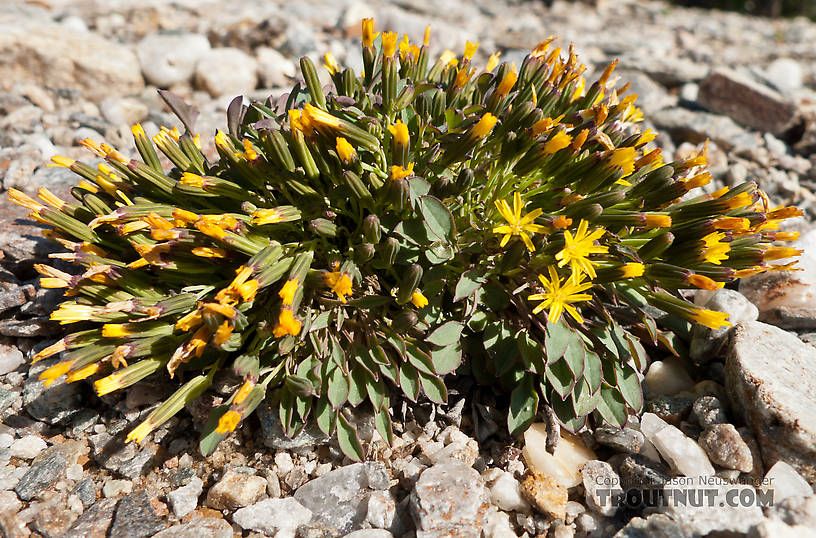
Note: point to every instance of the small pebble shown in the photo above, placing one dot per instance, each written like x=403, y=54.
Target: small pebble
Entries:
x=114, y=488
x=27, y=447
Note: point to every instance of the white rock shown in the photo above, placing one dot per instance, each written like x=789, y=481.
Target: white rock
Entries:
x=785, y=73
x=74, y=472
x=381, y=510
x=113, y=488
x=226, y=71
x=785, y=482
x=284, y=463
x=709, y=505
x=598, y=476
x=498, y=526
x=168, y=59
x=11, y=358
x=667, y=378
x=6, y=439
x=564, y=466
x=773, y=528
x=27, y=447
x=123, y=111
x=274, y=517
x=650, y=424
x=506, y=494
x=367, y=533
x=350, y=20
x=274, y=69
x=185, y=499
x=682, y=453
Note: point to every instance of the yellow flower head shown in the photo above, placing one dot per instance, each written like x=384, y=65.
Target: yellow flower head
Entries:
x=632, y=270
x=507, y=83
x=557, y=298
x=426, y=39
x=287, y=324
x=714, y=249
x=419, y=300
x=345, y=151
x=287, y=292
x=389, y=41
x=470, y=50
x=578, y=248
x=463, y=75
x=368, y=33
x=331, y=63
x=493, y=61
x=228, y=421
x=243, y=392
x=658, y=221
x=484, y=126
x=516, y=223
x=52, y=374
x=400, y=133
x=703, y=282
x=398, y=172
x=710, y=318
x=623, y=159
x=557, y=142
x=339, y=282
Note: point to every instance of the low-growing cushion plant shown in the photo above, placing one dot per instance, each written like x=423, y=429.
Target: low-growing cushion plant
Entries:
x=422, y=219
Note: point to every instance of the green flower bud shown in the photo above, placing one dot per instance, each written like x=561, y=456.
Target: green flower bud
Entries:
x=409, y=283
x=371, y=229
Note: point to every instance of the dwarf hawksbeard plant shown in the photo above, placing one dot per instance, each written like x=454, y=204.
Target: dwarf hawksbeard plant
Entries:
x=425, y=218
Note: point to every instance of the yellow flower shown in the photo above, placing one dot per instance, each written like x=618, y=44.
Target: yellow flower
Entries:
x=82, y=373
x=558, y=298
x=448, y=58
x=561, y=222
x=623, y=159
x=702, y=282
x=426, y=39
x=287, y=292
x=52, y=374
x=287, y=324
x=228, y=421
x=632, y=270
x=507, y=83
x=710, y=318
x=189, y=321
x=116, y=330
x=368, y=33
x=345, y=151
x=484, y=126
x=243, y=392
x=463, y=75
x=470, y=49
x=389, y=42
x=339, y=282
x=715, y=251
x=780, y=253
x=398, y=172
x=654, y=220
x=223, y=333
x=577, y=249
x=419, y=300
x=493, y=61
x=400, y=133
x=559, y=141
x=331, y=63
x=516, y=223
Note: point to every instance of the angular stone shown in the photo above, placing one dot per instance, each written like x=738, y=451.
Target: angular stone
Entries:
x=95, y=521
x=226, y=71
x=666, y=378
x=506, y=494
x=637, y=471
x=86, y=492
x=450, y=499
x=771, y=380
x=41, y=475
x=199, y=528
x=169, y=59
x=747, y=102
x=235, y=490
x=654, y=525
x=135, y=517
x=11, y=358
x=785, y=482
x=27, y=447
x=599, y=475
x=273, y=517
x=784, y=299
x=381, y=510
x=55, y=404
x=546, y=494
x=706, y=344
x=708, y=410
x=565, y=464
x=112, y=453
x=339, y=499
x=621, y=439
x=683, y=454
x=185, y=499
x=696, y=126
x=725, y=447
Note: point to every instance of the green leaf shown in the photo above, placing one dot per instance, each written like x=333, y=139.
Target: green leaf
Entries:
x=501, y=346
x=584, y=400
x=325, y=416
x=557, y=340
x=439, y=252
x=629, y=386
x=209, y=437
x=566, y=415
x=560, y=377
x=434, y=388
x=523, y=406
x=357, y=390
x=574, y=356
x=447, y=359
x=348, y=440
x=382, y=421
x=469, y=282
x=338, y=390
x=420, y=359
x=532, y=353
x=409, y=381
x=246, y=365
x=370, y=301
x=446, y=334
x=593, y=373
x=438, y=218
x=321, y=321
x=376, y=391
x=611, y=406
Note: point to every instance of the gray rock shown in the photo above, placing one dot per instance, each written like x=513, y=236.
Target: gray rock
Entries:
x=123, y=110
x=339, y=499
x=86, y=492
x=226, y=71
x=198, y=528
x=28, y=328
x=695, y=126
x=300, y=39
x=651, y=95
x=95, y=521
x=708, y=410
x=381, y=510
x=770, y=376
x=135, y=518
x=171, y=58
x=706, y=343
x=506, y=494
x=796, y=510
x=598, y=476
x=621, y=439
x=7, y=398
x=41, y=475
x=273, y=436
x=638, y=471
x=11, y=296
x=714, y=514
x=114, y=454
x=785, y=482
x=274, y=69
x=53, y=405
x=747, y=102
x=49, y=54
x=370, y=533
x=725, y=447
x=11, y=358
x=185, y=499
x=449, y=499
x=654, y=525
x=273, y=517
x=786, y=74
x=784, y=299
x=670, y=408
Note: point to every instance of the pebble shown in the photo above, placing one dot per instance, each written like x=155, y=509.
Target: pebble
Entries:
x=565, y=464
x=226, y=71
x=706, y=343
x=169, y=59
x=654, y=525
x=11, y=358
x=621, y=439
x=274, y=69
x=198, y=528
x=86, y=492
x=506, y=493
x=450, y=497
x=235, y=490
x=638, y=471
x=369, y=533
x=775, y=397
x=599, y=476
x=708, y=410
x=381, y=510
x=41, y=475
x=785, y=482
x=27, y=447
x=275, y=438
x=135, y=517
x=185, y=499
x=666, y=378
x=94, y=521
x=683, y=454
x=785, y=73
x=546, y=494
x=725, y=447
x=273, y=517
x=114, y=488
x=498, y=526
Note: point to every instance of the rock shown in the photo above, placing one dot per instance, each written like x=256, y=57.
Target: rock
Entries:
x=785, y=299
x=169, y=59
x=695, y=126
x=49, y=54
x=7, y=398
x=640, y=472
x=300, y=39
x=747, y=102
x=381, y=510
x=726, y=448
x=565, y=464
x=672, y=409
x=226, y=71
x=369, y=533
x=600, y=480
x=773, y=528
x=123, y=110
x=651, y=95
x=235, y=490
x=771, y=379
x=135, y=518
x=115, y=488
x=621, y=439
x=53, y=520
x=338, y=499
x=708, y=410
x=11, y=358
x=796, y=510
x=27, y=447
x=683, y=454
x=723, y=508
x=41, y=475
x=449, y=499
x=666, y=378
x=546, y=494
x=785, y=483
x=273, y=517
x=498, y=526
x=114, y=454
x=53, y=405
x=95, y=521
x=85, y=491
x=274, y=69
x=654, y=525
x=273, y=436
x=506, y=494
x=785, y=74
x=199, y=528
x=185, y=499
x=706, y=343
